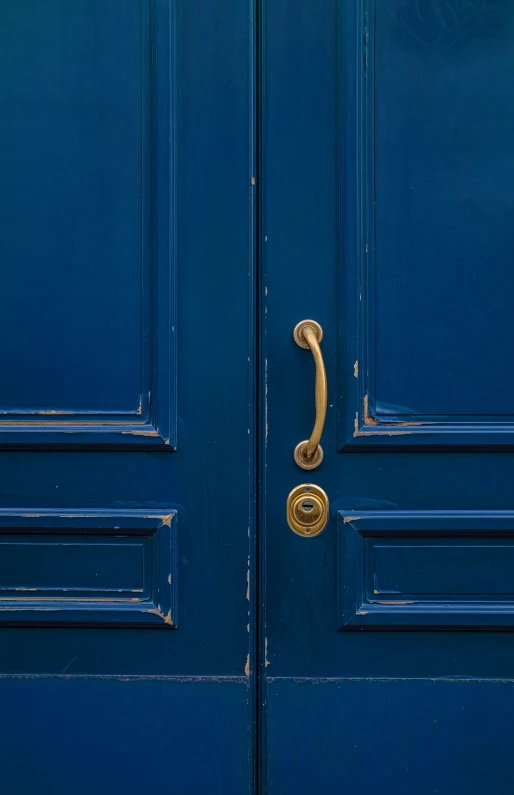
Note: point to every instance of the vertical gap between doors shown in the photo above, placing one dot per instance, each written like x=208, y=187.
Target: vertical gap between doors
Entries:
x=260, y=403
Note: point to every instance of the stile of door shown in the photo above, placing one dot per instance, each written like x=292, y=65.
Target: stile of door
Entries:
x=126, y=428
x=388, y=199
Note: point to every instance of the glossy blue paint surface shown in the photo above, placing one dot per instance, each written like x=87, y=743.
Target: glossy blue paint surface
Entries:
x=386, y=188
x=125, y=239
x=120, y=735
x=113, y=567
x=395, y=736
x=425, y=183
x=425, y=569
x=128, y=598
x=88, y=151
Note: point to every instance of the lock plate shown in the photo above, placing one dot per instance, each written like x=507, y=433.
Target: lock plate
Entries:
x=307, y=510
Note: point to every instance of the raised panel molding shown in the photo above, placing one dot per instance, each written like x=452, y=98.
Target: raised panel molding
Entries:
x=89, y=567
x=363, y=423
x=420, y=570
x=153, y=419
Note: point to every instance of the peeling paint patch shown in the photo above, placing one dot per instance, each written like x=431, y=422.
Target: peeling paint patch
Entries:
x=350, y=519
x=140, y=433
x=247, y=666
x=46, y=413
x=356, y=369
x=382, y=433
x=367, y=419
x=393, y=603
x=166, y=618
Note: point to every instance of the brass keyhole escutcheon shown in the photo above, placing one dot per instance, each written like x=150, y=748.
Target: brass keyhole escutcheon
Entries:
x=307, y=510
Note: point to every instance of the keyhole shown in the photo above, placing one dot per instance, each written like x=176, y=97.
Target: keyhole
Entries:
x=308, y=506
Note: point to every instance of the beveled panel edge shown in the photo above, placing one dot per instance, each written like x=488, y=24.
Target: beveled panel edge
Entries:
x=356, y=612
x=160, y=610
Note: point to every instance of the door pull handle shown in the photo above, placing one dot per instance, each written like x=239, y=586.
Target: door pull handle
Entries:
x=309, y=454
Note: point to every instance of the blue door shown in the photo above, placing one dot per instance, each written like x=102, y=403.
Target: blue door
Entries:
x=387, y=218
x=256, y=523
x=126, y=427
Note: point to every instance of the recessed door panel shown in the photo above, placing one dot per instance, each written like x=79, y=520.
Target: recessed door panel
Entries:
x=427, y=183
x=87, y=331
x=83, y=567
x=414, y=570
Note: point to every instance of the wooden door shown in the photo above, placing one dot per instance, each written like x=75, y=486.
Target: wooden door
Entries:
x=126, y=414
x=388, y=198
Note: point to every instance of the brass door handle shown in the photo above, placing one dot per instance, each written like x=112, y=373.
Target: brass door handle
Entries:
x=309, y=454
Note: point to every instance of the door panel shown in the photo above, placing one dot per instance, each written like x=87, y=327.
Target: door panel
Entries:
x=390, y=736
x=126, y=221
x=425, y=569
x=426, y=176
x=386, y=172
x=114, y=567
x=122, y=735
x=88, y=223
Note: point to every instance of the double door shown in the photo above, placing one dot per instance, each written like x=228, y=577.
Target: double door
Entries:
x=183, y=184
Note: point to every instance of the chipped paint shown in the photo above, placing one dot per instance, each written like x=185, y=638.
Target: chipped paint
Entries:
x=167, y=520
x=356, y=369
x=382, y=433
x=393, y=603
x=71, y=423
x=157, y=612
x=252, y=180
x=367, y=419
x=67, y=599
x=46, y=413
x=141, y=433
x=248, y=584
x=266, y=661
x=247, y=666
x=350, y=519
